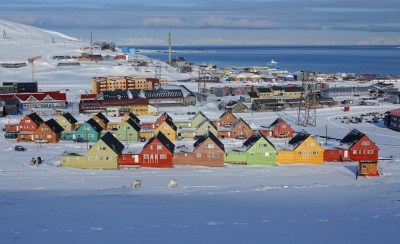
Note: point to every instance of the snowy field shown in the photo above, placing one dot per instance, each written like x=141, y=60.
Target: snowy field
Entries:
x=233, y=204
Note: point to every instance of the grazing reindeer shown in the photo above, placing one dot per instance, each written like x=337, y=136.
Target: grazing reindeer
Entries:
x=136, y=184
x=173, y=183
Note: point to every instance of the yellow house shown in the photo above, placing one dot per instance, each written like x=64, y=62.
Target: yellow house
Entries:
x=146, y=133
x=104, y=154
x=168, y=129
x=67, y=121
x=302, y=149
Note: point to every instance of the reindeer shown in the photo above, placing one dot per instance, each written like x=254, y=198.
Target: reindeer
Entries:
x=136, y=184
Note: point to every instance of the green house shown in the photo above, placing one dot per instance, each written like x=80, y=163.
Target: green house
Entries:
x=206, y=126
x=128, y=131
x=90, y=130
x=197, y=119
x=104, y=154
x=255, y=150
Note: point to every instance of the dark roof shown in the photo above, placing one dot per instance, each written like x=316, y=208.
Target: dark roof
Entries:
x=231, y=104
x=227, y=112
x=212, y=137
x=164, y=140
x=154, y=94
x=70, y=118
x=53, y=125
x=292, y=89
x=102, y=118
x=113, y=143
x=276, y=88
x=352, y=137
x=252, y=94
x=298, y=139
x=275, y=123
x=117, y=94
x=264, y=89
x=35, y=118
x=132, y=123
x=170, y=123
x=95, y=125
x=167, y=116
x=254, y=138
x=134, y=118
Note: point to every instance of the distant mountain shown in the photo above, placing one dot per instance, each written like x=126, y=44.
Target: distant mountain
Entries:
x=17, y=32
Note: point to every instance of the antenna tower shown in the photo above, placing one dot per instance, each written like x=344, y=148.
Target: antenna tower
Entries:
x=307, y=115
x=201, y=85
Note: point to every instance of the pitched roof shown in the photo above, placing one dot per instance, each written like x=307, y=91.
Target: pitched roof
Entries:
x=35, y=118
x=134, y=117
x=202, y=139
x=237, y=122
x=209, y=122
x=227, y=112
x=171, y=124
x=275, y=123
x=254, y=138
x=94, y=124
x=157, y=94
x=53, y=125
x=264, y=89
x=132, y=123
x=298, y=139
x=102, y=117
x=164, y=140
x=394, y=112
x=112, y=143
x=71, y=119
x=252, y=94
x=352, y=137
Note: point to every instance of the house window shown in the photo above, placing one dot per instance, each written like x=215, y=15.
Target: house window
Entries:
x=354, y=151
x=365, y=143
x=123, y=156
x=299, y=152
x=163, y=156
x=90, y=158
x=45, y=129
x=267, y=154
x=108, y=158
x=284, y=126
x=370, y=152
x=332, y=151
x=215, y=155
x=315, y=153
x=251, y=154
x=263, y=145
x=311, y=144
x=210, y=146
x=145, y=156
x=49, y=136
x=198, y=155
x=159, y=147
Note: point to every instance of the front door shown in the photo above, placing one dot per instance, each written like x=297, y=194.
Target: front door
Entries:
x=346, y=154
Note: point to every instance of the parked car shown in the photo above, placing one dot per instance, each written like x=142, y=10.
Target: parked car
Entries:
x=19, y=148
x=80, y=139
x=41, y=141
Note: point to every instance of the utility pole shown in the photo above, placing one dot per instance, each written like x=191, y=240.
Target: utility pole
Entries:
x=169, y=49
x=307, y=114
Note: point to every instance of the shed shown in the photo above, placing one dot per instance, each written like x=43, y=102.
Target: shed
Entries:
x=368, y=168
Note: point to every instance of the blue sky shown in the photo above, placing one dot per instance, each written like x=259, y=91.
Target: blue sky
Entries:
x=270, y=22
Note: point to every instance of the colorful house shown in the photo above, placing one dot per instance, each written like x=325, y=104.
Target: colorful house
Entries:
x=30, y=122
x=234, y=107
x=197, y=119
x=255, y=150
x=27, y=126
x=238, y=129
x=67, y=122
x=208, y=150
x=355, y=146
x=130, y=116
x=101, y=120
x=90, y=130
x=164, y=116
x=279, y=129
x=128, y=131
x=168, y=128
x=104, y=154
x=226, y=119
x=301, y=149
x=157, y=152
x=49, y=131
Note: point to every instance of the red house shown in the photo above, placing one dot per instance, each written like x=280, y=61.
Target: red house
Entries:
x=355, y=146
x=157, y=152
x=49, y=131
x=29, y=123
x=157, y=123
x=279, y=129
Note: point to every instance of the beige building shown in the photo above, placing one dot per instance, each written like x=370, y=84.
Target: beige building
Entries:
x=112, y=83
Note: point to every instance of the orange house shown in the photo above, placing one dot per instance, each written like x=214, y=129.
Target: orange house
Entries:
x=101, y=120
x=30, y=122
x=279, y=129
x=238, y=129
x=49, y=131
x=226, y=119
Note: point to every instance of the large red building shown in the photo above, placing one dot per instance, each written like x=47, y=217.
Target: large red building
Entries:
x=355, y=146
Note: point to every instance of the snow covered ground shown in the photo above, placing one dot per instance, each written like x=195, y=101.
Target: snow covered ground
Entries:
x=233, y=204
